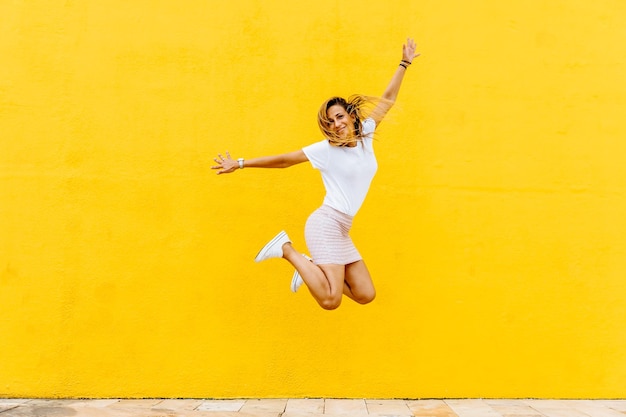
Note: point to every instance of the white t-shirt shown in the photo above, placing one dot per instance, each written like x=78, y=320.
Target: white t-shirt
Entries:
x=346, y=172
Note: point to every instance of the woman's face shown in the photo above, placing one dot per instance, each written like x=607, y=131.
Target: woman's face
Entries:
x=340, y=121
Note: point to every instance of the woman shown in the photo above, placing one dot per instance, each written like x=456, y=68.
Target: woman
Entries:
x=347, y=163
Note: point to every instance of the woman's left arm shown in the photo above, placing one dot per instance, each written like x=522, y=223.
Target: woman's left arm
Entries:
x=391, y=92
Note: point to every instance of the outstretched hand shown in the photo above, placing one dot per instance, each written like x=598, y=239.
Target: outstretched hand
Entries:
x=408, y=50
x=225, y=165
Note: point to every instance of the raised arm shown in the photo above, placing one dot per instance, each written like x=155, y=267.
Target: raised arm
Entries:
x=228, y=165
x=391, y=92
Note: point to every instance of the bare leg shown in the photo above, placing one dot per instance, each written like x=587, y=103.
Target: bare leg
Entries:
x=325, y=282
x=359, y=283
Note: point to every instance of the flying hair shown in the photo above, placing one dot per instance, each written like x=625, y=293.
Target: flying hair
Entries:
x=359, y=106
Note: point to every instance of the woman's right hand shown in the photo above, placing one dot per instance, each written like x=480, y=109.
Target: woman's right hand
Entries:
x=225, y=165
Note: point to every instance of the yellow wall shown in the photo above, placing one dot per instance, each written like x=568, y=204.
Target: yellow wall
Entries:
x=495, y=229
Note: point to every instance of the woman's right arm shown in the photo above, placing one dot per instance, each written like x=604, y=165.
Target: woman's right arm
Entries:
x=228, y=165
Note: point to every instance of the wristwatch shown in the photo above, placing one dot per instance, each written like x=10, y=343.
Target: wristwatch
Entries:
x=240, y=160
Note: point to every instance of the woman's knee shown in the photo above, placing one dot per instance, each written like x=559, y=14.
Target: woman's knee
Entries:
x=365, y=297
x=330, y=303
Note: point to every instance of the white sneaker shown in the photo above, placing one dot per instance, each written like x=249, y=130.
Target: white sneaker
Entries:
x=296, y=280
x=274, y=249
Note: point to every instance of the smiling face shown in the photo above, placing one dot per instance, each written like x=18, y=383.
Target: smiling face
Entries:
x=340, y=122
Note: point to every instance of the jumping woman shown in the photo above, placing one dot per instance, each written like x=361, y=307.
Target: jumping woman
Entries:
x=347, y=163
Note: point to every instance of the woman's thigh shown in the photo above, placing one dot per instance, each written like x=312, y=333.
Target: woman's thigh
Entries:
x=360, y=282
x=335, y=274
x=330, y=298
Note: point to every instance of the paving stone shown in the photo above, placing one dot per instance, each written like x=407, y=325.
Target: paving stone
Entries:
x=8, y=404
x=312, y=405
x=339, y=406
x=388, y=408
x=430, y=408
x=141, y=404
x=353, y=414
x=11, y=402
x=237, y=414
x=618, y=405
x=185, y=405
x=472, y=408
x=513, y=408
x=265, y=405
x=595, y=409
x=556, y=408
x=221, y=405
x=28, y=410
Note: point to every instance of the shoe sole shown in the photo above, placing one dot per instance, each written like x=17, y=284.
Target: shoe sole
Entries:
x=294, y=281
x=259, y=257
x=296, y=275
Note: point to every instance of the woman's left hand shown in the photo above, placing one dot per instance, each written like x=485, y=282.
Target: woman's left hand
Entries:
x=408, y=50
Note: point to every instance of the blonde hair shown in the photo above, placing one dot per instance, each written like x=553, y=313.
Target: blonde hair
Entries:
x=357, y=106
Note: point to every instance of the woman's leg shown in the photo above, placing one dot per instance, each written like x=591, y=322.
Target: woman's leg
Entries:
x=325, y=282
x=359, y=285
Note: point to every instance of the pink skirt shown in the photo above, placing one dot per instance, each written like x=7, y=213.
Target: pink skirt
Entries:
x=327, y=238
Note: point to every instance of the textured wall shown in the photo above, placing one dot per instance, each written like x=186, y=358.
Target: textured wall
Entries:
x=495, y=229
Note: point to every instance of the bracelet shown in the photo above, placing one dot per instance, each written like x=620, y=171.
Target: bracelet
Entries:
x=404, y=65
x=240, y=160
x=406, y=62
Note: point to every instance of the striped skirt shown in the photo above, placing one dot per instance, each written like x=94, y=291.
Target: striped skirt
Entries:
x=327, y=238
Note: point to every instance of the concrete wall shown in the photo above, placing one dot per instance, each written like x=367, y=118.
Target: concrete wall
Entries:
x=494, y=230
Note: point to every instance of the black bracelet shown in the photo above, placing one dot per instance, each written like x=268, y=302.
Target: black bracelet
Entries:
x=403, y=65
x=406, y=62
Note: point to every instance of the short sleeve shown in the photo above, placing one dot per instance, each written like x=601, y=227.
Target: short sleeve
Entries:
x=317, y=154
x=369, y=126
